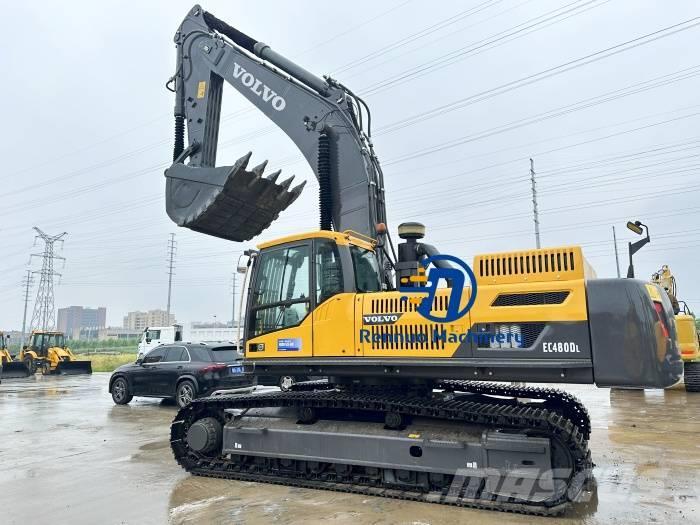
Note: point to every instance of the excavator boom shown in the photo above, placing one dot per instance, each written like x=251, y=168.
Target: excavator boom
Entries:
x=323, y=119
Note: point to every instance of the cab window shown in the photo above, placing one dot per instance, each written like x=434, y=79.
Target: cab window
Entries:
x=282, y=292
x=152, y=335
x=38, y=341
x=367, y=275
x=329, y=275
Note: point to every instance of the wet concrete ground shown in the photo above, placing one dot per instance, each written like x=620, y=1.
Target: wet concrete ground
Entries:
x=69, y=455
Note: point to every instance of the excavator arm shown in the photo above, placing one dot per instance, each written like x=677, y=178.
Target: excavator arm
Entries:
x=322, y=117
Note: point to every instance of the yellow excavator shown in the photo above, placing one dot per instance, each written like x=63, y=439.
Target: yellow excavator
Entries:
x=686, y=328
x=10, y=368
x=47, y=352
x=408, y=408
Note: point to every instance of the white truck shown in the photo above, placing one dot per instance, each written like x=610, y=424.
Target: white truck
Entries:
x=154, y=336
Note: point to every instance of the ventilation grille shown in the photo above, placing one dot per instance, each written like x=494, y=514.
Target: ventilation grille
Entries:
x=395, y=305
x=527, y=333
x=406, y=337
x=527, y=263
x=530, y=299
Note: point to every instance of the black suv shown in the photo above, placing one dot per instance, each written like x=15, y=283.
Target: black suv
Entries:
x=182, y=371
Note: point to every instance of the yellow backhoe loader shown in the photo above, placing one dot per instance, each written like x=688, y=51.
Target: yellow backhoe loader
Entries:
x=688, y=337
x=8, y=367
x=47, y=351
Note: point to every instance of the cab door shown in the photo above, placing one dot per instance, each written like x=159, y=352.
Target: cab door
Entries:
x=334, y=314
x=280, y=323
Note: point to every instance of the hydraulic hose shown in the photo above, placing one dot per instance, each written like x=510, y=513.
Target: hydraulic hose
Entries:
x=179, y=136
x=325, y=197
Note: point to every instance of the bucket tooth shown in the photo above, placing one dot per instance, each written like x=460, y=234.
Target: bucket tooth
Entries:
x=272, y=177
x=286, y=183
x=258, y=170
x=296, y=190
x=243, y=161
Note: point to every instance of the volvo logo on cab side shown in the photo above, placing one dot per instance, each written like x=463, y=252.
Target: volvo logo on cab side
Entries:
x=381, y=318
x=257, y=87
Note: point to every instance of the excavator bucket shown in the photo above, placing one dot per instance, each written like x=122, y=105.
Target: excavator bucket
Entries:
x=74, y=367
x=14, y=369
x=229, y=202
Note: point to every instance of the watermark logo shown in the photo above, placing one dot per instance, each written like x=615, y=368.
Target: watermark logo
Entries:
x=428, y=279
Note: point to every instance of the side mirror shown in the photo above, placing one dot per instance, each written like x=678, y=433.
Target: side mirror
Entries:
x=148, y=340
x=139, y=361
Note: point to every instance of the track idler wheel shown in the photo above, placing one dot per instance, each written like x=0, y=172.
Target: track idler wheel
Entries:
x=204, y=436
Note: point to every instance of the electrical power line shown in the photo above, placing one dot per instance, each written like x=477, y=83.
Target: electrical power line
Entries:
x=537, y=23
x=544, y=74
x=416, y=36
x=632, y=89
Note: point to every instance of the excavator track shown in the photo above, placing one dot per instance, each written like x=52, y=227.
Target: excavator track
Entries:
x=490, y=413
x=556, y=400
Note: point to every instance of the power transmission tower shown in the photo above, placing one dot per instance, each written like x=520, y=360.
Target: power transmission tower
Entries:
x=26, y=284
x=534, y=203
x=44, y=316
x=172, y=247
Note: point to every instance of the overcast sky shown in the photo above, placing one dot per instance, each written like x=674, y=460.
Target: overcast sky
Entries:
x=87, y=130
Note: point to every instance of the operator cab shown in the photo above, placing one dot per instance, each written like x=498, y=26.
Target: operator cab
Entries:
x=294, y=275
x=42, y=341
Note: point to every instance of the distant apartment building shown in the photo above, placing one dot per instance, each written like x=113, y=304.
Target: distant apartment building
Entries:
x=73, y=319
x=113, y=332
x=139, y=321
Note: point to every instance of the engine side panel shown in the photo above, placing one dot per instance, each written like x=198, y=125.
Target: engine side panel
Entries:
x=515, y=319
